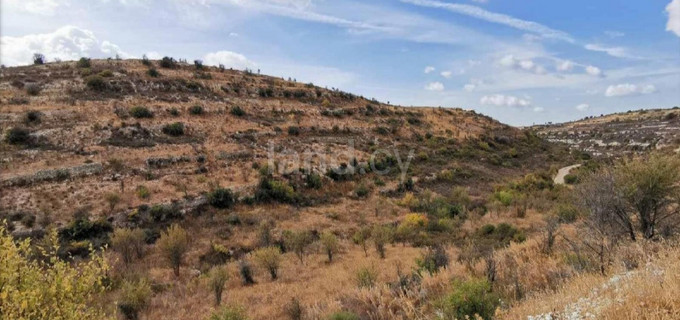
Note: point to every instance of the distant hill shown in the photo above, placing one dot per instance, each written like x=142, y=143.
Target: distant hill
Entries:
x=620, y=133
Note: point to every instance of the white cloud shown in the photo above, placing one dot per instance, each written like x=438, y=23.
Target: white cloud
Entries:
x=446, y=74
x=434, y=86
x=228, y=59
x=509, y=61
x=538, y=109
x=469, y=87
x=627, y=89
x=565, y=66
x=673, y=10
x=479, y=13
x=40, y=7
x=65, y=43
x=583, y=107
x=618, y=52
x=429, y=69
x=593, y=71
x=614, y=34
x=503, y=100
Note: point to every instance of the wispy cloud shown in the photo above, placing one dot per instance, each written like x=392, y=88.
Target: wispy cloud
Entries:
x=494, y=17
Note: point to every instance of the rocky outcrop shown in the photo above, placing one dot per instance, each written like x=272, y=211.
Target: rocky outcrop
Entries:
x=53, y=175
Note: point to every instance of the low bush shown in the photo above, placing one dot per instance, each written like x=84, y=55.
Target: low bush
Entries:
x=366, y=277
x=33, y=89
x=152, y=72
x=237, y=111
x=168, y=63
x=96, y=83
x=196, y=110
x=106, y=73
x=129, y=243
x=134, y=297
x=140, y=112
x=17, y=135
x=229, y=313
x=174, y=129
x=470, y=299
x=432, y=260
x=32, y=117
x=143, y=192
x=83, y=63
x=294, y=130
x=330, y=245
x=343, y=315
x=246, y=272
x=297, y=241
x=38, y=59
x=221, y=198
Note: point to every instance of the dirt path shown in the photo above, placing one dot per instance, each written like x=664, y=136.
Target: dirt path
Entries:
x=559, y=178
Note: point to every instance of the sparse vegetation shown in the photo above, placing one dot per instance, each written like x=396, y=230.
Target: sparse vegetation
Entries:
x=173, y=245
x=140, y=112
x=174, y=129
x=269, y=258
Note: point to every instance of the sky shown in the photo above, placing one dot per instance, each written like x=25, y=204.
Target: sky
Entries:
x=521, y=62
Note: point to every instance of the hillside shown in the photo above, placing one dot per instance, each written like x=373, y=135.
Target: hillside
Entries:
x=243, y=161
x=632, y=132
x=83, y=142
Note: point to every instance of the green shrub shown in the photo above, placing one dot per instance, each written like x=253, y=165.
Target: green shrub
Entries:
x=330, y=245
x=140, y=112
x=173, y=112
x=221, y=198
x=469, y=299
x=293, y=130
x=314, y=181
x=32, y=117
x=106, y=73
x=134, y=297
x=343, y=315
x=33, y=89
x=237, y=111
x=83, y=63
x=246, y=272
x=229, y=313
x=146, y=61
x=297, y=241
x=17, y=135
x=274, y=190
x=432, y=260
x=217, y=278
x=129, y=243
x=174, y=129
x=571, y=179
x=168, y=63
x=567, y=213
x=269, y=258
x=196, y=110
x=366, y=277
x=362, y=191
x=381, y=235
x=95, y=83
x=173, y=245
x=504, y=197
x=38, y=59
x=143, y=192
x=152, y=72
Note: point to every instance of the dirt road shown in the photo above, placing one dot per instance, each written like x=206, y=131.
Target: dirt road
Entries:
x=559, y=178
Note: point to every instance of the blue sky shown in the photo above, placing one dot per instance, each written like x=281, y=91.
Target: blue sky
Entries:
x=522, y=62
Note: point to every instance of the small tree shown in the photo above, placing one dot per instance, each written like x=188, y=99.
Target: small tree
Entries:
x=330, y=244
x=217, y=278
x=361, y=238
x=270, y=259
x=134, y=298
x=297, y=241
x=381, y=236
x=112, y=199
x=83, y=63
x=246, y=272
x=129, y=243
x=173, y=245
x=49, y=288
x=38, y=58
